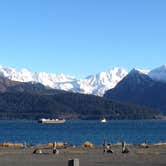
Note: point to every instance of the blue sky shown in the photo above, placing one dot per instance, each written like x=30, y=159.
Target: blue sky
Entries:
x=82, y=37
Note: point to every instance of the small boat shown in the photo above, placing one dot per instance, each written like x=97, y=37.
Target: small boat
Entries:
x=43, y=120
x=103, y=120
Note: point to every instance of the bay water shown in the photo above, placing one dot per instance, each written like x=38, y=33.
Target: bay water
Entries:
x=76, y=132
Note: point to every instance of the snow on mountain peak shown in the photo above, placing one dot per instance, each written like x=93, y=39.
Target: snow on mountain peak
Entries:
x=99, y=83
x=138, y=71
x=94, y=84
x=25, y=75
x=159, y=73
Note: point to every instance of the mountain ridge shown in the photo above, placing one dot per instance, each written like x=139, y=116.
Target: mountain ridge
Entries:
x=93, y=84
x=96, y=84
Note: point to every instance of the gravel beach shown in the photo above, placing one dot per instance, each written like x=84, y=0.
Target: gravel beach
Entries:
x=152, y=156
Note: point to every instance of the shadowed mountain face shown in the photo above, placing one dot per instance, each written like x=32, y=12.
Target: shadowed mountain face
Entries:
x=7, y=85
x=139, y=88
x=33, y=101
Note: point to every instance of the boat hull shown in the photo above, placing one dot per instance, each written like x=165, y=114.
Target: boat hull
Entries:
x=103, y=120
x=52, y=121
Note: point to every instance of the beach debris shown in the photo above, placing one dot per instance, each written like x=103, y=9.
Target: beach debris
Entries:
x=124, y=148
x=55, y=151
x=88, y=144
x=12, y=145
x=73, y=162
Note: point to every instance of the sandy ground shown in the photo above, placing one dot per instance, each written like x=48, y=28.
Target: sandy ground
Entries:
x=152, y=156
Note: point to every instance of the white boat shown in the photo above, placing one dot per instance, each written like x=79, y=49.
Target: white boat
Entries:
x=103, y=120
x=43, y=120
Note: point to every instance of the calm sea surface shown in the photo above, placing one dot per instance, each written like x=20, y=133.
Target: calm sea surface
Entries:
x=77, y=132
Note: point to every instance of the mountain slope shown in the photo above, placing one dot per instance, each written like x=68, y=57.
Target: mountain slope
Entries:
x=67, y=105
x=139, y=88
x=33, y=101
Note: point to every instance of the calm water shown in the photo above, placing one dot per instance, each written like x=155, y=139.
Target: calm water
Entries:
x=77, y=132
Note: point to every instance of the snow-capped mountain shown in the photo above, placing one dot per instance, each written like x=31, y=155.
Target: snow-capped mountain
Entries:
x=99, y=83
x=139, y=88
x=25, y=75
x=159, y=73
x=94, y=84
x=132, y=85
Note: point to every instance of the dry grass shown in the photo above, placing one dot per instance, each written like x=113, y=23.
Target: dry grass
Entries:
x=12, y=145
x=88, y=144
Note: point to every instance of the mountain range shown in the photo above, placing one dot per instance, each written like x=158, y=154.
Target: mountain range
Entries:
x=94, y=84
x=19, y=100
x=139, y=88
x=30, y=99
